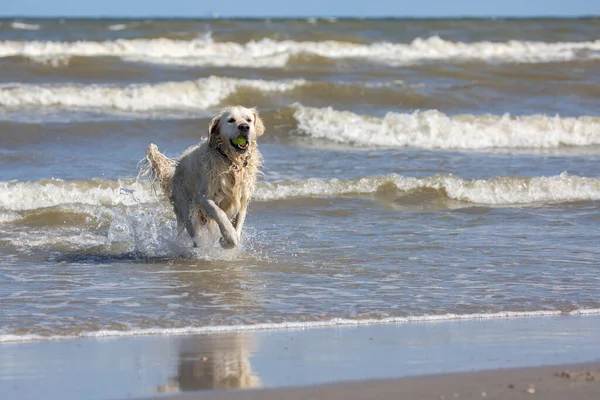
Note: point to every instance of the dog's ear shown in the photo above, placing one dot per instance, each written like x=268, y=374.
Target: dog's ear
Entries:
x=213, y=128
x=259, y=126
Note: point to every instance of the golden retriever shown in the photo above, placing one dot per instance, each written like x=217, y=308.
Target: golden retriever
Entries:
x=213, y=181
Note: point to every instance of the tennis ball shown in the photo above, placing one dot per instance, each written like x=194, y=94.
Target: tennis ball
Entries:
x=240, y=141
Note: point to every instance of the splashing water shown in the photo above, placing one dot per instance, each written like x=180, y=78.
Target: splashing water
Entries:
x=153, y=233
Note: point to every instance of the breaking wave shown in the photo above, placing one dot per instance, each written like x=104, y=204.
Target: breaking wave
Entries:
x=119, y=27
x=23, y=196
x=509, y=190
x=24, y=26
x=199, y=94
x=435, y=130
x=272, y=53
x=497, y=191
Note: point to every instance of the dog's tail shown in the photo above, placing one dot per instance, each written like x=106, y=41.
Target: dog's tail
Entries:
x=160, y=167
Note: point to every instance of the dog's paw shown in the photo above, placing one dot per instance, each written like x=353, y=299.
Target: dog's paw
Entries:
x=226, y=244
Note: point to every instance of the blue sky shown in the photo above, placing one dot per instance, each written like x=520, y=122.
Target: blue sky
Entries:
x=300, y=8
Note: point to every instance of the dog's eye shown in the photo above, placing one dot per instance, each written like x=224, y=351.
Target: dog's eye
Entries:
x=249, y=119
x=231, y=120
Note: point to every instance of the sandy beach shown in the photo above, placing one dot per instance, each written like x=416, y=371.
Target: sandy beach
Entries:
x=579, y=381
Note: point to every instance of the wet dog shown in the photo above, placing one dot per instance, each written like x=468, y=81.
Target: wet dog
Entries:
x=212, y=183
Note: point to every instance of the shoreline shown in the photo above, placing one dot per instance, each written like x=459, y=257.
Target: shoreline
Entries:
x=271, y=361
x=291, y=326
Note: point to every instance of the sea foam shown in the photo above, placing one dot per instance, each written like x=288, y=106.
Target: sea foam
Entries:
x=186, y=95
x=499, y=191
x=272, y=53
x=336, y=322
x=23, y=196
x=435, y=130
x=24, y=26
x=117, y=27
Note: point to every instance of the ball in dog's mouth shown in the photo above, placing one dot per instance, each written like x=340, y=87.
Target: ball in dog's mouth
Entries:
x=240, y=144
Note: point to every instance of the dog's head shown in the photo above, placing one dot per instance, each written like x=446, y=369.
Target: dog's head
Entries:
x=235, y=129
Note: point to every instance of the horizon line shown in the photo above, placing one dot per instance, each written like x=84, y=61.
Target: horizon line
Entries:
x=280, y=17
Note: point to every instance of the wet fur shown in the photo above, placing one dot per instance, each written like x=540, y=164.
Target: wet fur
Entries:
x=204, y=186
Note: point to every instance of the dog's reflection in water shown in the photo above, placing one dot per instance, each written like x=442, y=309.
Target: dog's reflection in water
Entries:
x=213, y=362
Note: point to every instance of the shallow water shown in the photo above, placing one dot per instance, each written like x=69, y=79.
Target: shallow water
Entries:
x=422, y=169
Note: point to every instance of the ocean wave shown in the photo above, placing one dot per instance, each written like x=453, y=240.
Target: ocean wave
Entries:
x=23, y=196
x=336, y=322
x=199, y=94
x=272, y=53
x=24, y=26
x=435, y=130
x=99, y=219
x=499, y=191
x=200, y=51
x=119, y=27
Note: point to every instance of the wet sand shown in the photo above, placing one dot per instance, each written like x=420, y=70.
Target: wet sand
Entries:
x=579, y=381
x=433, y=360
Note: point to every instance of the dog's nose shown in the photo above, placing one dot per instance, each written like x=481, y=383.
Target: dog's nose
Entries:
x=244, y=127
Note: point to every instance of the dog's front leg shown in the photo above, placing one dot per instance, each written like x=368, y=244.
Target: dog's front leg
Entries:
x=212, y=210
x=239, y=221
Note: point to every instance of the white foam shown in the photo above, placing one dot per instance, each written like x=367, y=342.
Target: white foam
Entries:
x=190, y=95
x=117, y=27
x=516, y=190
x=200, y=51
x=21, y=196
x=435, y=130
x=6, y=217
x=591, y=311
x=120, y=27
x=271, y=53
x=146, y=232
x=500, y=191
x=336, y=322
x=24, y=26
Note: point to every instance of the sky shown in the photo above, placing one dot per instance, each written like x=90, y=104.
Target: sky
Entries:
x=298, y=8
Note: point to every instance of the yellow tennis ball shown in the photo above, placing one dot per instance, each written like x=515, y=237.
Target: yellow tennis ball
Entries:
x=240, y=141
